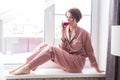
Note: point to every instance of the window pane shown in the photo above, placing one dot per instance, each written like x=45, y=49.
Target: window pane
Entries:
x=23, y=24
x=85, y=23
x=23, y=17
x=62, y=5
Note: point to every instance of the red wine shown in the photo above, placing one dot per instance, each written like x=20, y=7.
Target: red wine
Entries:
x=65, y=24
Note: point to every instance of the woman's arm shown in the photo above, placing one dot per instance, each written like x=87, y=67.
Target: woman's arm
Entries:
x=63, y=37
x=90, y=52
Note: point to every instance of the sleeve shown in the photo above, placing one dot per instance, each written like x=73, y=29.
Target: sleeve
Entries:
x=89, y=50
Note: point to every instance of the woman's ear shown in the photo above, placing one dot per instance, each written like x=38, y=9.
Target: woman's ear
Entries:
x=74, y=20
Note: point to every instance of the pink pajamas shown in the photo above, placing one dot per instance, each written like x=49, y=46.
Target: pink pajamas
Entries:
x=59, y=56
x=70, y=56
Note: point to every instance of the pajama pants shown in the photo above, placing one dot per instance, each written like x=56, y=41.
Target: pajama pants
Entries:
x=68, y=62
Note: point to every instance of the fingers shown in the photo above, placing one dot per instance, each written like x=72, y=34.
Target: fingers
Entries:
x=100, y=71
x=62, y=24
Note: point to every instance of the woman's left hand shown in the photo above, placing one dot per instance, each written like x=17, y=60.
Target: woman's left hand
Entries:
x=98, y=70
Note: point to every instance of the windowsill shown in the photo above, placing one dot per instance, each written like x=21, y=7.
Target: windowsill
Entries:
x=55, y=73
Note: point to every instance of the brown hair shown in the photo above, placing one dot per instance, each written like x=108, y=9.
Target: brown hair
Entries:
x=76, y=13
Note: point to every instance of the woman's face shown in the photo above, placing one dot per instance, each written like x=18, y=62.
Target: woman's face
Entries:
x=69, y=17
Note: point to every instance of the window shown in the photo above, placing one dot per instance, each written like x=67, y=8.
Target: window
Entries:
x=22, y=23
x=26, y=22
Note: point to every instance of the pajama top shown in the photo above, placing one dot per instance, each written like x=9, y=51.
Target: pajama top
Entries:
x=80, y=47
x=70, y=55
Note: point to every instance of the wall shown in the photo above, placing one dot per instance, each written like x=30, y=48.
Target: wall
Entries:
x=103, y=31
x=1, y=35
x=100, y=17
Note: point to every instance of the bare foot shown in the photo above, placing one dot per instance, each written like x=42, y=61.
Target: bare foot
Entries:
x=11, y=71
x=22, y=70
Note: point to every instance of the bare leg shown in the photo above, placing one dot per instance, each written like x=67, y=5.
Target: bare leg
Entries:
x=11, y=71
x=22, y=70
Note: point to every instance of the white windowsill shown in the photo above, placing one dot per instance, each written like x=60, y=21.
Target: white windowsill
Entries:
x=55, y=73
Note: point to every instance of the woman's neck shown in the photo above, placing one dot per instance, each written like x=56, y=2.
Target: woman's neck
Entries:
x=72, y=27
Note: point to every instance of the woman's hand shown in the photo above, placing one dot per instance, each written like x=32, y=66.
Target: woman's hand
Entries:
x=98, y=70
x=63, y=32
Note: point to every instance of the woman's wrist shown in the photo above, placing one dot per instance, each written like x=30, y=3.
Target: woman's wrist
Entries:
x=63, y=39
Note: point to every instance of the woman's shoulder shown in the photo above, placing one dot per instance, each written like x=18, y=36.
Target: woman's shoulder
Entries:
x=82, y=30
x=83, y=33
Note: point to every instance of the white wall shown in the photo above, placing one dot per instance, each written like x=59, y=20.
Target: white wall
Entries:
x=1, y=35
x=95, y=26
x=103, y=31
x=100, y=21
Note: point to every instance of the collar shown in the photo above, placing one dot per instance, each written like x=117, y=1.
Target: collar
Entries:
x=72, y=36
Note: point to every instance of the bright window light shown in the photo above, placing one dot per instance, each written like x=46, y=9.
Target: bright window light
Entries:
x=23, y=17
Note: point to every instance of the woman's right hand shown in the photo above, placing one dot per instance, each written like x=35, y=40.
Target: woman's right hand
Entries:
x=63, y=32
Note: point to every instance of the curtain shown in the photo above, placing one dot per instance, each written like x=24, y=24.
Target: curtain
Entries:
x=113, y=62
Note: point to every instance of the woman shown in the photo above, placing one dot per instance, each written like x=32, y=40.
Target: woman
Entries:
x=74, y=48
